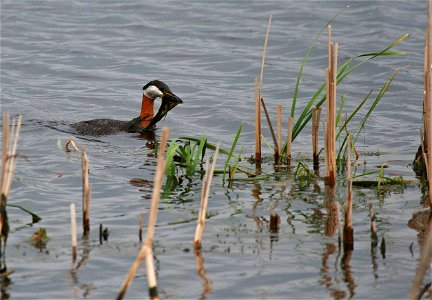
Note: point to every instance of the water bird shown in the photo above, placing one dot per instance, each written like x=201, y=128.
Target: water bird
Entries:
x=144, y=122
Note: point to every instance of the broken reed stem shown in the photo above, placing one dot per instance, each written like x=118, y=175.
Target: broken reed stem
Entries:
x=86, y=193
x=316, y=115
x=73, y=232
x=348, y=234
x=257, y=124
x=331, y=82
x=141, y=223
x=289, y=140
x=71, y=142
x=279, y=126
x=204, y=200
x=374, y=236
x=276, y=147
x=146, y=251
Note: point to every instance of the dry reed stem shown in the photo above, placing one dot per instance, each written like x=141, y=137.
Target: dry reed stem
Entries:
x=330, y=137
x=146, y=251
x=289, y=139
x=71, y=142
x=279, y=126
x=86, y=192
x=204, y=200
x=348, y=239
x=9, y=145
x=276, y=147
x=257, y=124
x=263, y=56
x=73, y=232
x=5, y=136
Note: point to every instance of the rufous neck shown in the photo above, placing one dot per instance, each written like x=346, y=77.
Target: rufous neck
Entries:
x=147, y=108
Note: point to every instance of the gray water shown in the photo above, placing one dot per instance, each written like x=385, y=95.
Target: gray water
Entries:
x=67, y=61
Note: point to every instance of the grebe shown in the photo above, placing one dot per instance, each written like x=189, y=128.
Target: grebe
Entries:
x=146, y=120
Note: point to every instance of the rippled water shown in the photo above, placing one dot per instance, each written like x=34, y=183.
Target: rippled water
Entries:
x=67, y=61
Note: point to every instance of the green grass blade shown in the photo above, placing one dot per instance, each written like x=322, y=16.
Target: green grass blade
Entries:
x=340, y=110
x=232, y=149
x=312, y=44
x=169, y=165
x=381, y=93
x=199, y=153
x=208, y=145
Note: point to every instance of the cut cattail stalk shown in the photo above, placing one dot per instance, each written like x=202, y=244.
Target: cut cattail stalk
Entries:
x=71, y=143
x=9, y=145
x=204, y=200
x=348, y=232
x=141, y=223
x=146, y=251
x=316, y=114
x=331, y=83
x=279, y=126
x=257, y=125
x=73, y=232
x=276, y=147
x=374, y=236
x=86, y=193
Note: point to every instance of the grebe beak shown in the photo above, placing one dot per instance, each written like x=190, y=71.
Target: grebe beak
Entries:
x=169, y=101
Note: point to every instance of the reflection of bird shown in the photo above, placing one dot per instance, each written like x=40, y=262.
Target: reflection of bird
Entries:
x=146, y=120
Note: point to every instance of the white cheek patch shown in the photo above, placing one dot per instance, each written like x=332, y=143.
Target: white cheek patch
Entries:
x=152, y=92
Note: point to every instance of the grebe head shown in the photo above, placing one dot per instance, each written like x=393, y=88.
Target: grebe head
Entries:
x=157, y=89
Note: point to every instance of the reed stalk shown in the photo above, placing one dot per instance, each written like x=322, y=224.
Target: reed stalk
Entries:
x=331, y=83
x=316, y=115
x=73, y=232
x=86, y=193
x=204, y=200
x=146, y=251
x=279, y=125
x=348, y=232
x=289, y=140
x=257, y=125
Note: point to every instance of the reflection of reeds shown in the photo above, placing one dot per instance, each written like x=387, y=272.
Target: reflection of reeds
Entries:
x=330, y=137
x=86, y=193
x=204, y=200
x=423, y=265
x=374, y=236
x=140, y=225
x=146, y=251
x=73, y=232
x=348, y=232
